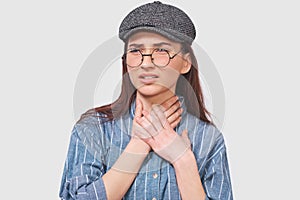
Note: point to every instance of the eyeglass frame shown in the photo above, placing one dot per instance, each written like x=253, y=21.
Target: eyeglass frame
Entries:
x=152, y=59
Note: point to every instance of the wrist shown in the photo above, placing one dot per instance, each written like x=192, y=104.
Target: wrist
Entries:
x=137, y=145
x=186, y=160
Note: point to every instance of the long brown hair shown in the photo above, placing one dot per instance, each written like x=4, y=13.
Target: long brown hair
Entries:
x=188, y=86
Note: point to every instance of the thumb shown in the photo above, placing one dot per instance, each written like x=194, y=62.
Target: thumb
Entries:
x=184, y=136
x=184, y=133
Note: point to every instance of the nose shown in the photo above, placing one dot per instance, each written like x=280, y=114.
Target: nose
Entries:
x=147, y=61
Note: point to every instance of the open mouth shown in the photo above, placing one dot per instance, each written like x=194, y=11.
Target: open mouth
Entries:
x=148, y=78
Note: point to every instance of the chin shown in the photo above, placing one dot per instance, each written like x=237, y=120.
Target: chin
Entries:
x=152, y=90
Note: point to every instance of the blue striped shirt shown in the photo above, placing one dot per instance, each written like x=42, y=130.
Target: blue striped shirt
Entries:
x=95, y=146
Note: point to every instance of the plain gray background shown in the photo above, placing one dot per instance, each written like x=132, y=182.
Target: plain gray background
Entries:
x=255, y=48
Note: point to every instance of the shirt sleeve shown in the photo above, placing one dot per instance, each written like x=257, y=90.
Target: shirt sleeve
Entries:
x=82, y=173
x=216, y=181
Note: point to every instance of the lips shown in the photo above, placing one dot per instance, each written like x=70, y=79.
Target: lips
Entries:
x=148, y=78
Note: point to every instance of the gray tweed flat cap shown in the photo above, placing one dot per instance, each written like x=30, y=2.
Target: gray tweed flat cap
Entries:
x=164, y=19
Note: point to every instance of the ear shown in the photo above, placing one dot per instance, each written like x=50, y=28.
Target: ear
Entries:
x=187, y=64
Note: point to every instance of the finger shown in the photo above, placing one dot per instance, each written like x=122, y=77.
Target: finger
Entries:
x=175, y=123
x=169, y=102
x=175, y=116
x=140, y=132
x=147, y=125
x=145, y=113
x=185, y=137
x=172, y=109
x=138, y=108
x=160, y=115
x=184, y=133
x=153, y=118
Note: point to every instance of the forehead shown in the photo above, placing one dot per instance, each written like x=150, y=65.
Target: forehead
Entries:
x=145, y=39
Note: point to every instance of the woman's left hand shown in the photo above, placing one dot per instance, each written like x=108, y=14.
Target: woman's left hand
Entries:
x=163, y=139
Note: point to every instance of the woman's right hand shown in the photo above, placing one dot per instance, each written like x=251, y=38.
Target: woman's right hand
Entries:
x=138, y=132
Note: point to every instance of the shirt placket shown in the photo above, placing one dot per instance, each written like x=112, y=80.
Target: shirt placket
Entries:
x=153, y=177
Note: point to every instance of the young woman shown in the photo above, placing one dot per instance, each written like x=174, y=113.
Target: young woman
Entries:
x=156, y=141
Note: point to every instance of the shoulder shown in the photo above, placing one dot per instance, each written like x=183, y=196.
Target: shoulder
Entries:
x=89, y=121
x=90, y=133
x=91, y=127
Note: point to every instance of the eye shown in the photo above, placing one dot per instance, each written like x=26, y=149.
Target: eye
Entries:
x=161, y=50
x=133, y=51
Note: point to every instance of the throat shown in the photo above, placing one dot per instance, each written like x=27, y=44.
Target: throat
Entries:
x=148, y=101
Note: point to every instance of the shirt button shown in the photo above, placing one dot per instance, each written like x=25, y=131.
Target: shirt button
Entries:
x=154, y=176
x=153, y=198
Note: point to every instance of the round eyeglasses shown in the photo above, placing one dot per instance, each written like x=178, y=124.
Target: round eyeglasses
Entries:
x=159, y=57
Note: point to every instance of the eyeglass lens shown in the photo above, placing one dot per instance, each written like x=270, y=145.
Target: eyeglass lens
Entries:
x=159, y=57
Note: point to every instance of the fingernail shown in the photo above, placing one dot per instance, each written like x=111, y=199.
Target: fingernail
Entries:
x=180, y=103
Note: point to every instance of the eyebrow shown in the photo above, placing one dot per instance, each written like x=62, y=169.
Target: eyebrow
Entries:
x=155, y=45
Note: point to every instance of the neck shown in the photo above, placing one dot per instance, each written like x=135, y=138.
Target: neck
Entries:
x=148, y=101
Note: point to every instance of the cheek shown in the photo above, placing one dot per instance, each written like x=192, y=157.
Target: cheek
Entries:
x=169, y=77
x=133, y=77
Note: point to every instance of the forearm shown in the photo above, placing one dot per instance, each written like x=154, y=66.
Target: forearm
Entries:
x=187, y=176
x=118, y=179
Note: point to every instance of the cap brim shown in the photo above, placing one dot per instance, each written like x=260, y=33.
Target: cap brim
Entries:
x=168, y=33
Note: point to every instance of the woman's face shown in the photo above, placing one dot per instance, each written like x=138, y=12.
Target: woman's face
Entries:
x=149, y=79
